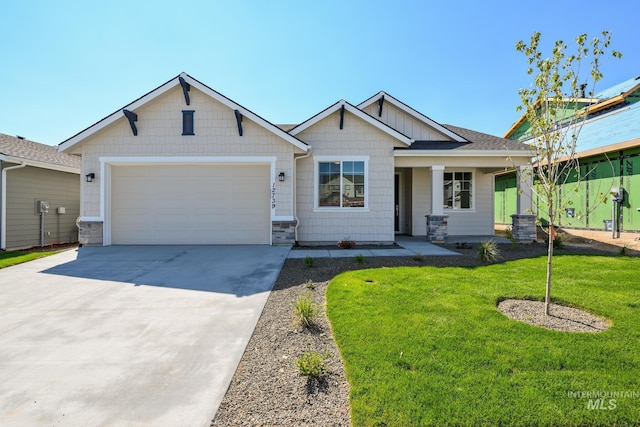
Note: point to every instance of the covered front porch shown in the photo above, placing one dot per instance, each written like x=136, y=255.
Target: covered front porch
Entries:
x=448, y=200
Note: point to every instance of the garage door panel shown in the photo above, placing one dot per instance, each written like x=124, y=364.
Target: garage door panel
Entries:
x=189, y=204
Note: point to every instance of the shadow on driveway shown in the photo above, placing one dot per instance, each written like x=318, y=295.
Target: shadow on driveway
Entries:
x=238, y=270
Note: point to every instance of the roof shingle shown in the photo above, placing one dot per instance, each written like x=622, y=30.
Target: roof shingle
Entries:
x=30, y=150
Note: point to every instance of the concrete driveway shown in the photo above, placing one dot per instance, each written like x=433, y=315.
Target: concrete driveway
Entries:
x=128, y=335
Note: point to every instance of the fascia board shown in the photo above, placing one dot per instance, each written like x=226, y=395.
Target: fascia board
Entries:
x=464, y=153
x=41, y=165
x=66, y=145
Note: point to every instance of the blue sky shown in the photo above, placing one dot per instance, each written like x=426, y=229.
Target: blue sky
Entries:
x=68, y=64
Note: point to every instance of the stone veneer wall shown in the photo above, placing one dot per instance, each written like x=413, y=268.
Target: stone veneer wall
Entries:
x=90, y=233
x=283, y=233
x=437, y=228
x=523, y=228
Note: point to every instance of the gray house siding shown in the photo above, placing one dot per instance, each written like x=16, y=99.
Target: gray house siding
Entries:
x=28, y=185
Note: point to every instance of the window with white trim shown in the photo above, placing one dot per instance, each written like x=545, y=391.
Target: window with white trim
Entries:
x=342, y=184
x=458, y=190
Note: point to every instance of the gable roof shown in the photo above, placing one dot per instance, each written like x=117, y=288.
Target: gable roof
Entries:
x=355, y=111
x=410, y=111
x=118, y=114
x=18, y=150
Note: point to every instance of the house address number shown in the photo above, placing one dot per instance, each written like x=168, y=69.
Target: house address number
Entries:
x=273, y=195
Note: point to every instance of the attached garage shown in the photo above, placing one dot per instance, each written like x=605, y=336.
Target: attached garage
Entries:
x=174, y=204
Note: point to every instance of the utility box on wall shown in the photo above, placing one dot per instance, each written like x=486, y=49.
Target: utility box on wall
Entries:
x=42, y=206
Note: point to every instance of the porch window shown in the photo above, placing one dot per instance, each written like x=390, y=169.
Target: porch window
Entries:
x=458, y=190
x=342, y=184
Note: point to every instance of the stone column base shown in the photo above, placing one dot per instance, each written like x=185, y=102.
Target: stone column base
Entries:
x=283, y=233
x=523, y=228
x=437, y=228
x=90, y=233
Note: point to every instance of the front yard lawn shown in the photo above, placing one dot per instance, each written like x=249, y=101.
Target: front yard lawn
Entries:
x=10, y=258
x=427, y=345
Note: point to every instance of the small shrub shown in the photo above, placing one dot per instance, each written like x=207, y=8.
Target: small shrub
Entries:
x=418, y=257
x=558, y=242
x=488, y=252
x=347, y=243
x=310, y=284
x=312, y=364
x=508, y=233
x=360, y=259
x=305, y=310
x=308, y=262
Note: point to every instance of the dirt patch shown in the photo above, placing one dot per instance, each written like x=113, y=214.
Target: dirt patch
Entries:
x=560, y=318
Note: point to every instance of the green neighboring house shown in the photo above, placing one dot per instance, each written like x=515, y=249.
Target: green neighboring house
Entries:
x=609, y=155
x=40, y=197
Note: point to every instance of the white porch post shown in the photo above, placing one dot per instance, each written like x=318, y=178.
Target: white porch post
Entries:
x=523, y=223
x=525, y=183
x=437, y=221
x=437, y=190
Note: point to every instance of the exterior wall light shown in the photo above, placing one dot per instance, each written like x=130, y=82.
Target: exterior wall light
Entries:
x=281, y=177
x=90, y=177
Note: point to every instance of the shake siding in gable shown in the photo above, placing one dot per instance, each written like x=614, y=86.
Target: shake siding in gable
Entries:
x=160, y=134
x=404, y=123
x=357, y=138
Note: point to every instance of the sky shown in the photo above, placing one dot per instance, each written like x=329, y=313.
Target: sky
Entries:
x=65, y=65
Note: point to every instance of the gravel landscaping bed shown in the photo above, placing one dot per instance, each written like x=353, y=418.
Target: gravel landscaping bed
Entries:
x=267, y=389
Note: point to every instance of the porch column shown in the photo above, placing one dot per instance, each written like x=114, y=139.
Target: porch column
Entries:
x=523, y=223
x=525, y=183
x=437, y=190
x=437, y=221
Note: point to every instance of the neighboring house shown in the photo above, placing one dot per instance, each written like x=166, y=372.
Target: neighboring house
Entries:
x=40, y=199
x=609, y=154
x=185, y=165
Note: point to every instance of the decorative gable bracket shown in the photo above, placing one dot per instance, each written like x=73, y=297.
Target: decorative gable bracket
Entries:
x=186, y=87
x=380, y=102
x=239, y=121
x=132, y=117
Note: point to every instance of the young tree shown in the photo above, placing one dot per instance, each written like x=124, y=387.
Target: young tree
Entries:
x=556, y=107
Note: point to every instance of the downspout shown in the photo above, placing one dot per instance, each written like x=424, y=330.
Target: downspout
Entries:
x=295, y=201
x=3, y=212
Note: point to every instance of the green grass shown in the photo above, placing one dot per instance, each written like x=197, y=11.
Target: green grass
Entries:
x=10, y=258
x=427, y=346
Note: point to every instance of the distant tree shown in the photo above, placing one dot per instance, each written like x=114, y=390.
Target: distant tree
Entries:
x=555, y=107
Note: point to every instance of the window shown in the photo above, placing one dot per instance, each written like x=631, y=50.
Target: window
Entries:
x=458, y=190
x=187, y=122
x=342, y=184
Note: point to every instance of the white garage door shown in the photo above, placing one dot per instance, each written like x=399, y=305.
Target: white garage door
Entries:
x=190, y=204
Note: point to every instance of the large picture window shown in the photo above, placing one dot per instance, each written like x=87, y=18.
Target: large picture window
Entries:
x=341, y=184
x=458, y=190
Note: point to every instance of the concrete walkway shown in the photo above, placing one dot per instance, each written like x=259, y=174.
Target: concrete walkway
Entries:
x=128, y=336
x=409, y=246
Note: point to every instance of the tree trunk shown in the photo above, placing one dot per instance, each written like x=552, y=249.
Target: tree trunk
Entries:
x=547, y=297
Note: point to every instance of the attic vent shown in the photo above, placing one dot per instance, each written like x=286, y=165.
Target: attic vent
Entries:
x=19, y=137
x=187, y=122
